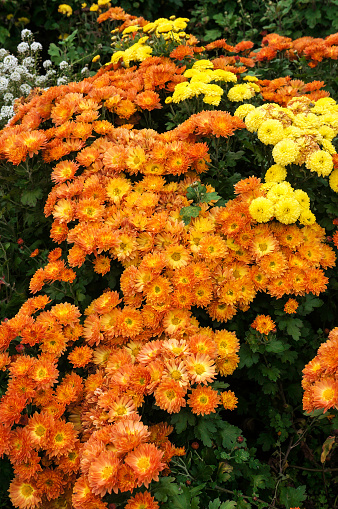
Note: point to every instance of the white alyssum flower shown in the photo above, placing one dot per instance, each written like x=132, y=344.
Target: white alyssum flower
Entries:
x=84, y=70
x=15, y=76
x=3, y=52
x=6, y=112
x=36, y=46
x=47, y=63
x=62, y=80
x=8, y=97
x=23, y=47
x=25, y=33
x=4, y=82
x=28, y=62
x=10, y=62
x=63, y=65
x=25, y=88
x=40, y=80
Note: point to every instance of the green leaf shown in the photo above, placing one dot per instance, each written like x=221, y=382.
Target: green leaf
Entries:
x=4, y=33
x=292, y=497
x=247, y=357
x=276, y=346
x=165, y=488
x=229, y=504
x=182, y=420
x=214, y=504
x=204, y=431
x=209, y=197
x=31, y=197
x=188, y=212
x=310, y=303
x=271, y=372
x=229, y=435
x=241, y=456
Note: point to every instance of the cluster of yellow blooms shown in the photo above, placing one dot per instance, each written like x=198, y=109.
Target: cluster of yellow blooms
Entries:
x=201, y=75
x=169, y=29
x=281, y=201
x=300, y=133
x=137, y=53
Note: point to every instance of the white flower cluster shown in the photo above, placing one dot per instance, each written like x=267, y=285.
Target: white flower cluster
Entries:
x=20, y=74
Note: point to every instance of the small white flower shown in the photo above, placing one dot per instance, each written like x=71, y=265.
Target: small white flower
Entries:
x=25, y=33
x=40, y=80
x=25, y=89
x=84, y=70
x=47, y=63
x=36, y=46
x=63, y=65
x=23, y=47
x=7, y=112
x=3, y=52
x=15, y=76
x=28, y=62
x=62, y=80
x=8, y=97
x=50, y=73
x=10, y=62
x=3, y=83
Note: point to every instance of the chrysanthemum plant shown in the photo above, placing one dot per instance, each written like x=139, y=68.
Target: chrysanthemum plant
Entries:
x=98, y=379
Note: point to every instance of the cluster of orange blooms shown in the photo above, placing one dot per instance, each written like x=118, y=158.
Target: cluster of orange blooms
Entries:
x=320, y=377
x=282, y=90
x=314, y=49
x=72, y=439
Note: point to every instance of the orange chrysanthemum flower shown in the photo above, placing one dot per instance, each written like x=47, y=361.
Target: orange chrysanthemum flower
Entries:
x=169, y=396
x=142, y=501
x=145, y=460
x=102, y=475
x=291, y=306
x=229, y=400
x=203, y=400
x=24, y=494
x=263, y=324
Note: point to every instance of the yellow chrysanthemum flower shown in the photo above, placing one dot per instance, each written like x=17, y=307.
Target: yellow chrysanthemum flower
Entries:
x=243, y=110
x=285, y=152
x=254, y=119
x=302, y=198
x=270, y=132
x=276, y=173
x=261, y=209
x=307, y=217
x=287, y=210
x=333, y=180
x=320, y=162
x=280, y=190
x=241, y=92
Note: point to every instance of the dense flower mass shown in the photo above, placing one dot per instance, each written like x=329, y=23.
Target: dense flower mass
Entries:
x=72, y=418
x=320, y=377
x=301, y=133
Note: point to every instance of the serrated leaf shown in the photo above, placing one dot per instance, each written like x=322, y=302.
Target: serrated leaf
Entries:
x=228, y=504
x=214, y=504
x=271, y=372
x=292, y=497
x=229, y=434
x=275, y=346
x=209, y=197
x=164, y=488
x=182, y=420
x=188, y=212
x=247, y=357
x=31, y=197
x=293, y=327
x=204, y=431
